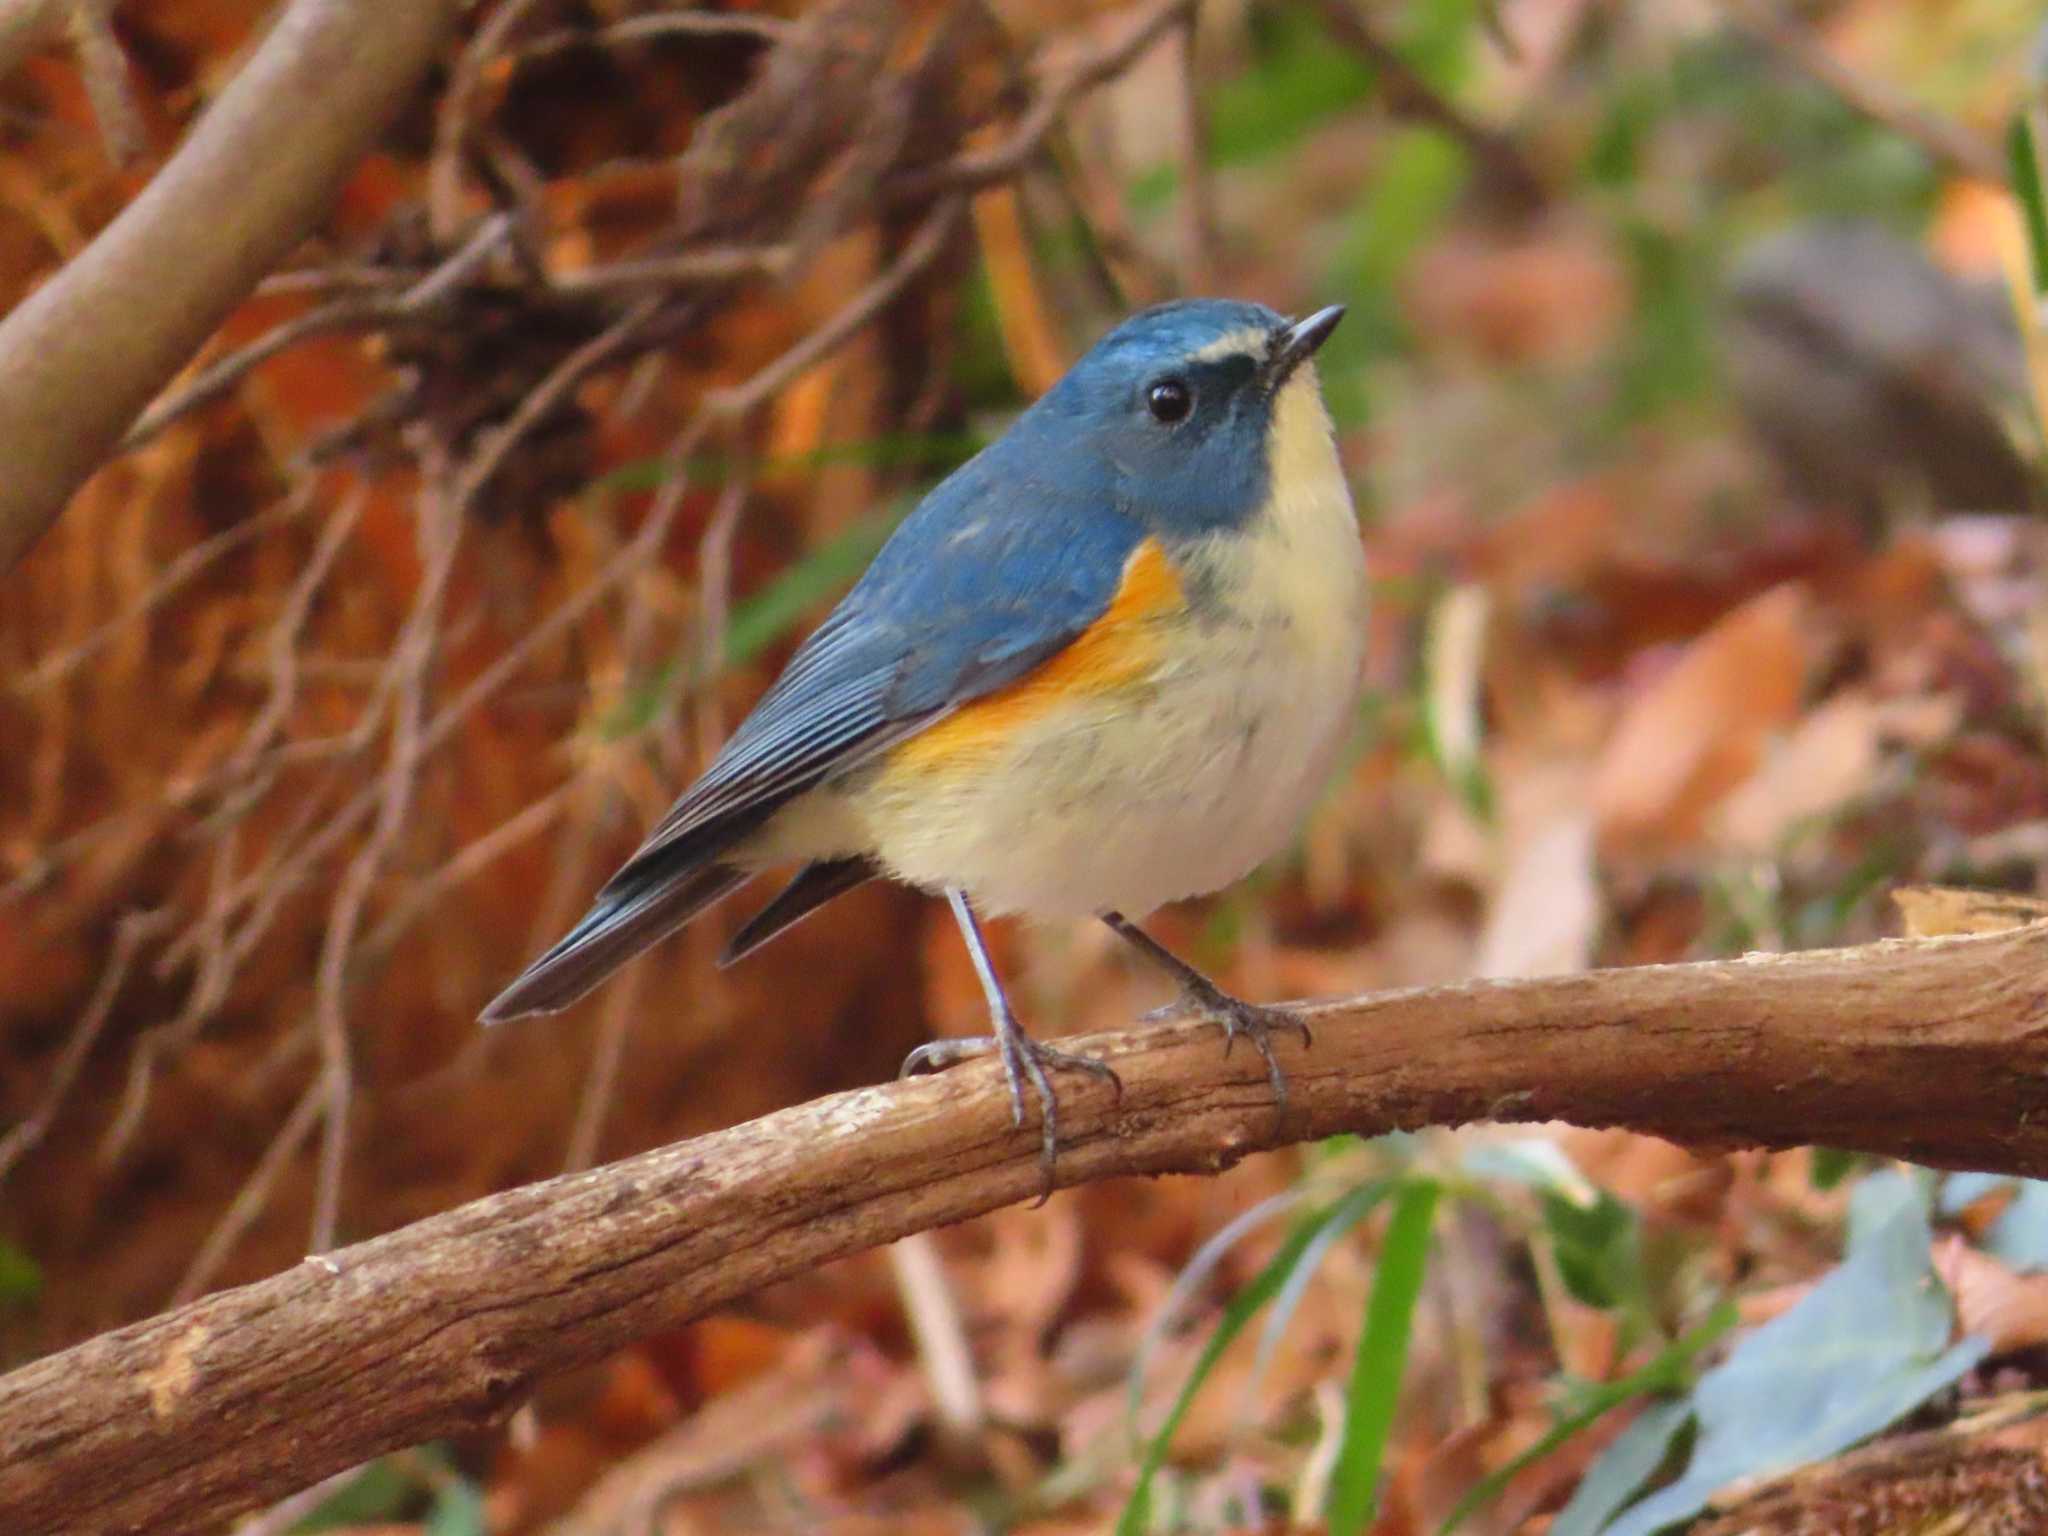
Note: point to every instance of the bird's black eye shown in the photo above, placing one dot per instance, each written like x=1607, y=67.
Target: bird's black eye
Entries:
x=1169, y=400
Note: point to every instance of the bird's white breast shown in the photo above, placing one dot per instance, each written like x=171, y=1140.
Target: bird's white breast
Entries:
x=1182, y=784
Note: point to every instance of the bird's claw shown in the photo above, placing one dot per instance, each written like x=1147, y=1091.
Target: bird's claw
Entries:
x=1024, y=1060
x=1251, y=1021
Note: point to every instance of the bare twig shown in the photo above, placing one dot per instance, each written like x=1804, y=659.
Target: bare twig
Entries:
x=600, y=1085
x=474, y=858
x=439, y=532
x=270, y=886
x=940, y=1334
x=445, y=205
x=289, y=629
x=254, y=1194
x=1946, y=142
x=922, y=250
x=549, y=393
x=183, y=568
x=981, y=168
x=350, y=314
x=647, y=29
x=714, y=606
x=105, y=68
x=712, y=264
x=85, y=352
x=1930, y=1049
x=129, y=936
x=1199, y=238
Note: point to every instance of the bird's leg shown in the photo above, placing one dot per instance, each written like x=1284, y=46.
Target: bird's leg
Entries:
x=1024, y=1059
x=1198, y=994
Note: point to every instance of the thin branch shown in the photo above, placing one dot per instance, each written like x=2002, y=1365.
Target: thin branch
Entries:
x=647, y=29
x=1949, y=144
x=940, y=1334
x=713, y=264
x=601, y=1083
x=968, y=172
x=445, y=206
x=1931, y=1050
x=105, y=68
x=923, y=249
x=129, y=936
x=1200, y=241
x=439, y=535
x=180, y=570
x=350, y=314
x=86, y=351
x=472, y=860
x=254, y=1195
x=550, y=392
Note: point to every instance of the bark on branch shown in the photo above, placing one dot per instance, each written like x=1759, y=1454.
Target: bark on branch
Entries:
x=83, y=354
x=1935, y=1050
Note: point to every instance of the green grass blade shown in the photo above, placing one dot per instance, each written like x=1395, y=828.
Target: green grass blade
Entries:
x=1382, y=1358
x=1667, y=1373
x=759, y=621
x=1137, y=1512
x=2025, y=157
x=910, y=450
x=1194, y=1274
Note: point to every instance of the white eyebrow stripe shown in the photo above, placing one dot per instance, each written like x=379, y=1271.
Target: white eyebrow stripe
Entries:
x=1246, y=341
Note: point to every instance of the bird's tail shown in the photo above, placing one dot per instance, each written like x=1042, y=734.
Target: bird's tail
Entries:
x=627, y=918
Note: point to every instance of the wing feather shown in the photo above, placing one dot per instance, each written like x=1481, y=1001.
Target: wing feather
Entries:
x=1001, y=567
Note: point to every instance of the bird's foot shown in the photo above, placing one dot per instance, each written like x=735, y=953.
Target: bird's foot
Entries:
x=1253, y=1021
x=1024, y=1060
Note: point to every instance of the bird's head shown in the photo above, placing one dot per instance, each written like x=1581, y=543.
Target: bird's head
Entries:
x=1192, y=411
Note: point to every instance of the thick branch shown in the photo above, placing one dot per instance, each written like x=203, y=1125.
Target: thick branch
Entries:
x=84, y=353
x=1935, y=1050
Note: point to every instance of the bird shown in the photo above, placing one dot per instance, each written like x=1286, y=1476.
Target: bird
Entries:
x=1105, y=665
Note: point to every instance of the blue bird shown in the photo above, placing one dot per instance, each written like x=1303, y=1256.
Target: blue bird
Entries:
x=1105, y=665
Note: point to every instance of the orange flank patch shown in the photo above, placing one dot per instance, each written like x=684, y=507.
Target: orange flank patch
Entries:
x=1116, y=650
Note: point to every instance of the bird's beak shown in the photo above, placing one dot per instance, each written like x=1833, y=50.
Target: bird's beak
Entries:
x=1298, y=342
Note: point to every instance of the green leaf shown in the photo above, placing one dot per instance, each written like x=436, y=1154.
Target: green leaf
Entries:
x=458, y=1510
x=1301, y=79
x=1596, y=1238
x=2020, y=1234
x=1381, y=1361
x=2027, y=186
x=21, y=1278
x=380, y=1491
x=1622, y=1468
x=1668, y=1372
x=1137, y=1512
x=1830, y=1166
x=1599, y=1249
x=1882, y=1197
x=1864, y=1347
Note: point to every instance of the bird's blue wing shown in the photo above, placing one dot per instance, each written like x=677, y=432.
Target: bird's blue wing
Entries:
x=1000, y=568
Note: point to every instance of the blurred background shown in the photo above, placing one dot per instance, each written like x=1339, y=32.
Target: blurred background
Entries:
x=1689, y=395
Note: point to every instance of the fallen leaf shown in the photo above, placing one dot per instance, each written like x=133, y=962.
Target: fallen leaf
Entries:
x=1992, y=1300
x=1702, y=728
x=1827, y=761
